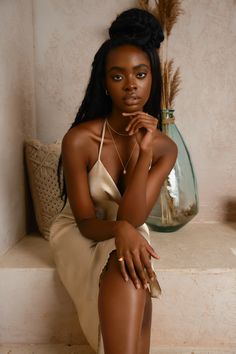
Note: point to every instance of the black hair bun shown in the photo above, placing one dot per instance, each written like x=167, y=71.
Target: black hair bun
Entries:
x=139, y=27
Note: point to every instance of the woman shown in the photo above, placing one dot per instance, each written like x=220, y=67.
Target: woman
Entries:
x=115, y=161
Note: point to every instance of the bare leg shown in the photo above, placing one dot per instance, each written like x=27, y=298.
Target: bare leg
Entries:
x=124, y=313
x=144, y=343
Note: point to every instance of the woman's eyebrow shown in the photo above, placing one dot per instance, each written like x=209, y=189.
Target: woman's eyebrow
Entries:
x=119, y=68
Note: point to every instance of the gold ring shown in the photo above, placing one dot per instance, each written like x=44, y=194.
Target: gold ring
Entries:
x=121, y=259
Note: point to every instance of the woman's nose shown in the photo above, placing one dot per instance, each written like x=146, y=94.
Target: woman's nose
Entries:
x=130, y=85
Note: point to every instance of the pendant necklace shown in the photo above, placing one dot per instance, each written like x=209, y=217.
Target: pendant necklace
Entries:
x=124, y=166
x=122, y=134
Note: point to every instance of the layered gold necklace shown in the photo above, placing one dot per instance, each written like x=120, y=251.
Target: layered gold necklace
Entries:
x=116, y=148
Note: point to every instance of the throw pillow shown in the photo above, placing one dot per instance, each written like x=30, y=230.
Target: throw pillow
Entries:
x=42, y=161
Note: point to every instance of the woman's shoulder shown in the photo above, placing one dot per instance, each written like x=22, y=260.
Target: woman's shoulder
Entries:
x=85, y=132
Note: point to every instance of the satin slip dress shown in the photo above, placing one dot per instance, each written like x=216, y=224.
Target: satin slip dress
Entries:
x=79, y=260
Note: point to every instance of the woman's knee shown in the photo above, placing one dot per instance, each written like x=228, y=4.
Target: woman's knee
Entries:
x=112, y=277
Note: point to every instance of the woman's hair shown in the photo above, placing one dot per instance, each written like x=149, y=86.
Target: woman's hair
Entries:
x=136, y=27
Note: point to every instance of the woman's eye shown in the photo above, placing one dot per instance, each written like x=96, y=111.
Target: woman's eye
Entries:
x=141, y=75
x=117, y=77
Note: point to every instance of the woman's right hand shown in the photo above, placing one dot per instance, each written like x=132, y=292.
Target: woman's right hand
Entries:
x=136, y=253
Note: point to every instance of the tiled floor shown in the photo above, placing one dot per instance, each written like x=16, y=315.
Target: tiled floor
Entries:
x=83, y=349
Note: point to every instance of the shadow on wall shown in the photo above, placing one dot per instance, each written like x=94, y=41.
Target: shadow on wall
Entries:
x=230, y=209
x=31, y=224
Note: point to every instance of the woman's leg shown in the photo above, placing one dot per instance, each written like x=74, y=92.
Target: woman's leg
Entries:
x=125, y=313
x=144, y=342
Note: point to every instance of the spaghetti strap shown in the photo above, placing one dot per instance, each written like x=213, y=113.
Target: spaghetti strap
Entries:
x=102, y=139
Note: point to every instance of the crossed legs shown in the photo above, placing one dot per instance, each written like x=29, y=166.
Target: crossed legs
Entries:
x=125, y=313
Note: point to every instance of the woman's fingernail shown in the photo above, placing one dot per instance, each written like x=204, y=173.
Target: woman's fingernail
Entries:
x=138, y=286
x=146, y=286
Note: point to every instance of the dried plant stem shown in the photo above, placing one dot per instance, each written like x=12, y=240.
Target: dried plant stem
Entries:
x=167, y=12
x=144, y=4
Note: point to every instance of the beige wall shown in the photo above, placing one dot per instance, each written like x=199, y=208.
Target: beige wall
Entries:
x=67, y=34
x=16, y=114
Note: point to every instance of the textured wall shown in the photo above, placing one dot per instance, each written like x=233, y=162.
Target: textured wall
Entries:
x=16, y=114
x=203, y=44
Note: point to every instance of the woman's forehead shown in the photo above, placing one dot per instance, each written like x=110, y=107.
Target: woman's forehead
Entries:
x=127, y=55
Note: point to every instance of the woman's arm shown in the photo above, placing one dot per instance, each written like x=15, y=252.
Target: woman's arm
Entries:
x=145, y=185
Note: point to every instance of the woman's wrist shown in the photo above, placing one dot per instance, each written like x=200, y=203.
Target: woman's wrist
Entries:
x=118, y=226
x=145, y=154
x=145, y=151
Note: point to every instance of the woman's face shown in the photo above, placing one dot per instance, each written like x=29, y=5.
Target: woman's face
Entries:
x=128, y=78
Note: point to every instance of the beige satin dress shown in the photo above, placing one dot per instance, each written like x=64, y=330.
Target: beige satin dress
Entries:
x=79, y=260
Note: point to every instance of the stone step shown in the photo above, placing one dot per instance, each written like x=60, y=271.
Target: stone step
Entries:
x=197, y=273
x=84, y=349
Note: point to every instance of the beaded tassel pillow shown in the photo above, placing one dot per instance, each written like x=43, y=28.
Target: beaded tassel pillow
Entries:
x=42, y=161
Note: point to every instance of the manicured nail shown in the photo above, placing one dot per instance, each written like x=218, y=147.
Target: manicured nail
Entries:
x=126, y=278
x=138, y=286
x=146, y=286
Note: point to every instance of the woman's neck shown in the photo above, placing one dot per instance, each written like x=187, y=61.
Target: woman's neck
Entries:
x=118, y=122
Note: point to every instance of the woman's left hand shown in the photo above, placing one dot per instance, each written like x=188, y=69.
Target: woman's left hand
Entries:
x=143, y=126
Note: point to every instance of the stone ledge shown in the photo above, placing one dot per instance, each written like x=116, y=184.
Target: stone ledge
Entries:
x=197, y=273
x=196, y=247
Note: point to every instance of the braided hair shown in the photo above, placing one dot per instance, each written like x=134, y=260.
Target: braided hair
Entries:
x=136, y=27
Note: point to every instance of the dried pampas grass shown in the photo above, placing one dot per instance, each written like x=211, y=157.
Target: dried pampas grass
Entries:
x=144, y=4
x=167, y=12
x=170, y=84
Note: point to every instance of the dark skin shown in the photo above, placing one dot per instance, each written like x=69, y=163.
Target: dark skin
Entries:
x=123, y=296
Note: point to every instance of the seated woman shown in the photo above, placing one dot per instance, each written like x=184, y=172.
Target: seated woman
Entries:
x=115, y=161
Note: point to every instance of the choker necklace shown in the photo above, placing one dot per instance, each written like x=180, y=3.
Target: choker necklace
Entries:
x=122, y=134
x=124, y=166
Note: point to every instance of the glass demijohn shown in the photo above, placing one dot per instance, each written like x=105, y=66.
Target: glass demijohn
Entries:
x=178, y=200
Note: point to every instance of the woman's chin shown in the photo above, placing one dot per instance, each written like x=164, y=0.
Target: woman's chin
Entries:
x=132, y=108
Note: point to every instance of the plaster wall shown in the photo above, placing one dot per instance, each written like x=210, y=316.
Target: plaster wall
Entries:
x=203, y=44
x=17, y=119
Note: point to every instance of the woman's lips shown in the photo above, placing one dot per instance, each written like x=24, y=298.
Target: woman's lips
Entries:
x=131, y=100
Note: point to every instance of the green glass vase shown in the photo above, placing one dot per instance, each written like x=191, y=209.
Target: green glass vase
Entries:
x=178, y=200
